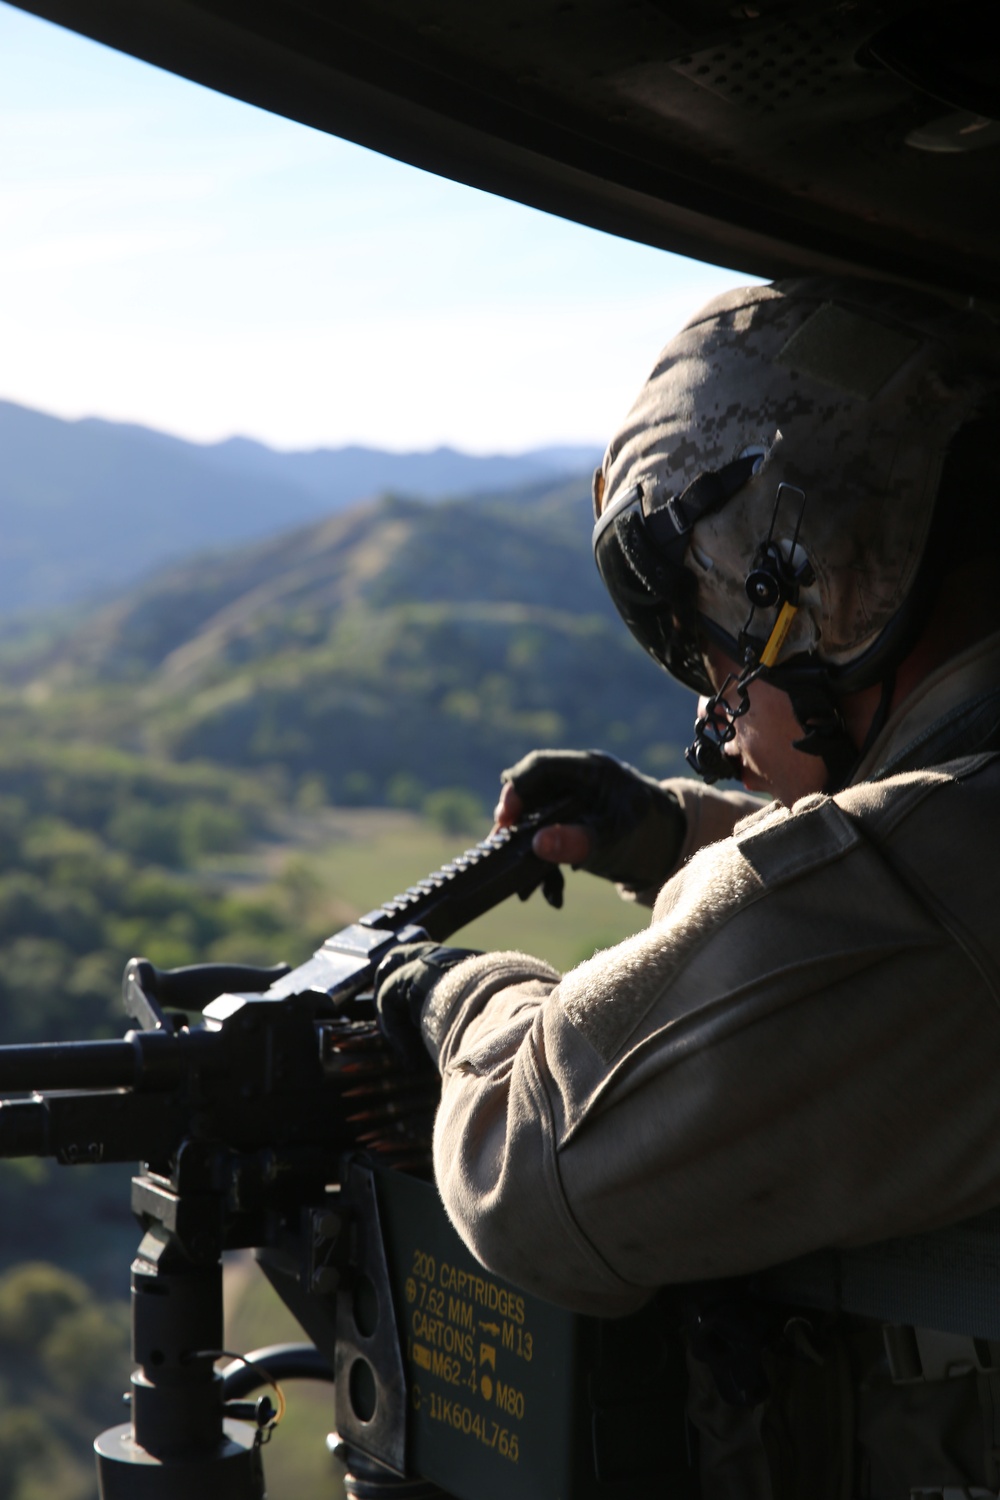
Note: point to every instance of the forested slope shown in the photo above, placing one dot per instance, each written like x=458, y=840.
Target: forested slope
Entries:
x=386, y=652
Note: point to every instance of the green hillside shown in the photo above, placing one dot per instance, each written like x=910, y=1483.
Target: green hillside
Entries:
x=387, y=652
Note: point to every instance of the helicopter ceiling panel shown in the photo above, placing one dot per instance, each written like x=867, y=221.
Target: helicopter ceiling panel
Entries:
x=770, y=137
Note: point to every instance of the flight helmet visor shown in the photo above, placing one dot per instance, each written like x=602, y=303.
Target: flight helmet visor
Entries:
x=655, y=596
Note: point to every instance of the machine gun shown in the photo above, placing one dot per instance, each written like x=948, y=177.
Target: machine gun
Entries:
x=268, y=1113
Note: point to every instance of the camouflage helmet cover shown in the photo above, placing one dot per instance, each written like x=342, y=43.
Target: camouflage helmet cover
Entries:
x=853, y=391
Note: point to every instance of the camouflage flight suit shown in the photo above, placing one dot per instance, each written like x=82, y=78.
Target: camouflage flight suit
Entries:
x=802, y=1050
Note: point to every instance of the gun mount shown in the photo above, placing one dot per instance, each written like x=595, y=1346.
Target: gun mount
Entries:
x=269, y=1114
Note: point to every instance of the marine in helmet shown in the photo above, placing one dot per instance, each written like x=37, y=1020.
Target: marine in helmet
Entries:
x=798, y=519
x=772, y=495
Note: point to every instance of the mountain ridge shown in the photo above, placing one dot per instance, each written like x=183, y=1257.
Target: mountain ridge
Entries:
x=91, y=506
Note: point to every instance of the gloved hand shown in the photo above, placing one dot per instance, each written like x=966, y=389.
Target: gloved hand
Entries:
x=622, y=825
x=403, y=981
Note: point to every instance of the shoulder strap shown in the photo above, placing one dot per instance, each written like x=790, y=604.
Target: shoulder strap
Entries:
x=947, y=1279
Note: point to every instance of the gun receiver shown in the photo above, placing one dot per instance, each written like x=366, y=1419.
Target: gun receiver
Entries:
x=258, y=1036
x=271, y=1122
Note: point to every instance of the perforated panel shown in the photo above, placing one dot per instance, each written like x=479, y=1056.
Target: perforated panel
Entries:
x=782, y=67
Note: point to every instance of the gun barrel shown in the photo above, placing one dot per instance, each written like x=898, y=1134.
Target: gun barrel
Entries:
x=68, y=1065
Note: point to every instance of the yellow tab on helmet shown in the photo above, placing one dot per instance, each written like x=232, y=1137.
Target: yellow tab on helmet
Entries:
x=776, y=639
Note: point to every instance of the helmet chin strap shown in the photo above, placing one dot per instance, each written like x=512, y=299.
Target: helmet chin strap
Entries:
x=818, y=711
x=825, y=733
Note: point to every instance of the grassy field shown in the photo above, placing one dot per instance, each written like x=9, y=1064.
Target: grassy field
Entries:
x=348, y=861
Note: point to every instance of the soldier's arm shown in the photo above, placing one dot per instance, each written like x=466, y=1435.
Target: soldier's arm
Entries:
x=795, y=1054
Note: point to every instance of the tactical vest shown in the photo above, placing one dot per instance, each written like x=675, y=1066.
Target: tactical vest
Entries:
x=867, y=1374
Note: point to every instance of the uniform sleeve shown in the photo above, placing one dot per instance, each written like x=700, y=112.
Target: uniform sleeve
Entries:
x=797, y=1053
x=710, y=815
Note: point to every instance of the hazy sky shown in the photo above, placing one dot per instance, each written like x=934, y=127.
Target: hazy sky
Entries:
x=171, y=257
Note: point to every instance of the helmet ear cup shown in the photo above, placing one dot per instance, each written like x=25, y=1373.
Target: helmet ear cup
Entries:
x=779, y=570
x=763, y=588
x=775, y=578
